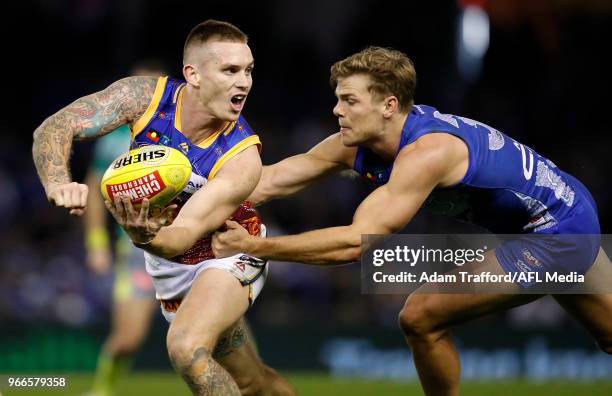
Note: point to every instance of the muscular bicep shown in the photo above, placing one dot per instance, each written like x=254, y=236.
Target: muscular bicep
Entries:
x=385, y=211
x=97, y=114
x=390, y=207
x=214, y=203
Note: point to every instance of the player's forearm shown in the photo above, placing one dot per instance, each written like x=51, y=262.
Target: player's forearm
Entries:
x=51, y=151
x=329, y=246
x=169, y=242
x=270, y=186
x=283, y=179
x=89, y=117
x=177, y=238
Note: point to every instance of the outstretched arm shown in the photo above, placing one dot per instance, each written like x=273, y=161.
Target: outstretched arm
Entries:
x=201, y=215
x=92, y=116
x=292, y=174
x=417, y=171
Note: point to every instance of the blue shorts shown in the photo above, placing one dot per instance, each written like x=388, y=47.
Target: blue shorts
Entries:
x=570, y=246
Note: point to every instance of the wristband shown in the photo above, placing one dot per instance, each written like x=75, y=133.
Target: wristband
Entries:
x=96, y=239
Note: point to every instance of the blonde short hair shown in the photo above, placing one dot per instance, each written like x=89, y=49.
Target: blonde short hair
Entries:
x=391, y=73
x=212, y=29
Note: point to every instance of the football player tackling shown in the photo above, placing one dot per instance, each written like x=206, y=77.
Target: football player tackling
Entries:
x=204, y=298
x=409, y=151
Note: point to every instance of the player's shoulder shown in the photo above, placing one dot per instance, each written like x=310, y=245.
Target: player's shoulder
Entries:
x=134, y=85
x=434, y=143
x=434, y=153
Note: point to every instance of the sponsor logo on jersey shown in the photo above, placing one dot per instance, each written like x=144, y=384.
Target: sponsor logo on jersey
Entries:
x=530, y=259
x=522, y=266
x=241, y=266
x=195, y=183
x=146, y=186
x=253, y=261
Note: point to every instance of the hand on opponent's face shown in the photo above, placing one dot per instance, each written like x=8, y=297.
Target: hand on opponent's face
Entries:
x=230, y=241
x=138, y=224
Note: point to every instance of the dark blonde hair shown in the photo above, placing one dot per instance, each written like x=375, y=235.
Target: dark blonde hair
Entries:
x=213, y=29
x=391, y=73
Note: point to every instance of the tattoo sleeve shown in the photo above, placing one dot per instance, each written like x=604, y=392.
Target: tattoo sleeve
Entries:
x=89, y=117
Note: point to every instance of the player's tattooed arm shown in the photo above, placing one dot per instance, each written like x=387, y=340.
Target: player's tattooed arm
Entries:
x=92, y=116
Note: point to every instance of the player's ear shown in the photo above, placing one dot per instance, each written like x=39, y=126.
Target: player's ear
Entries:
x=391, y=106
x=191, y=75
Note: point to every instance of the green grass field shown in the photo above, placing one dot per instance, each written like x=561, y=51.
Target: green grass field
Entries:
x=168, y=384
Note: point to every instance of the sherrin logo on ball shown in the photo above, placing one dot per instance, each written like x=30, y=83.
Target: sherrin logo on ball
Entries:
x=158, y=173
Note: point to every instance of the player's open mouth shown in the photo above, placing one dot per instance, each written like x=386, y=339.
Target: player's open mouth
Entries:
x=238, y=101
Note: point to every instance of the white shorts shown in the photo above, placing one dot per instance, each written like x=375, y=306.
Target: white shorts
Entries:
x=173, y=281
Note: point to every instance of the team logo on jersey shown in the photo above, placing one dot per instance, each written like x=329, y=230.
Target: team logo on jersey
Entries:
x=184, y=147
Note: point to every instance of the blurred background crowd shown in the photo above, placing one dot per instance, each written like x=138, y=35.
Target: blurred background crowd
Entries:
x=536, y=70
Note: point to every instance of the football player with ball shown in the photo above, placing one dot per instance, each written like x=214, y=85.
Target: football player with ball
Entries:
x=203, y=298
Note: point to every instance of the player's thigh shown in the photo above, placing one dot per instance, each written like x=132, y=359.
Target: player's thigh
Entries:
x=431, y=307
x=215, y=302
x=594, y=311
